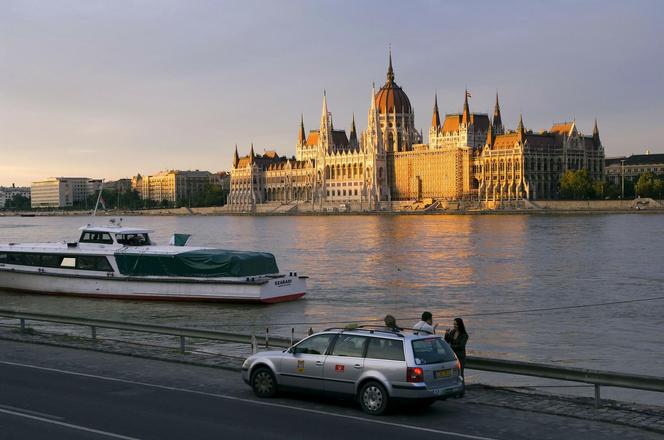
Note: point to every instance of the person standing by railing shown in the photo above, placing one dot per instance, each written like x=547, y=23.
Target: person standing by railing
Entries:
x=457, y=338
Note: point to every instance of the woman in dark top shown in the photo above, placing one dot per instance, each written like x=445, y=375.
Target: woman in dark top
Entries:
x=457, y=338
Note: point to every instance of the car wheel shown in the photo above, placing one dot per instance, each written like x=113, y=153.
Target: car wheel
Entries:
x=263, y=382
x=373, y=398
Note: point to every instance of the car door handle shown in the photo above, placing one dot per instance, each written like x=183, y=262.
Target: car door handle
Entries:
x=358, y=366
x=319, y=363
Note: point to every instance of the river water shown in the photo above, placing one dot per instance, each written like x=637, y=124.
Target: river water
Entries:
x=490, y=270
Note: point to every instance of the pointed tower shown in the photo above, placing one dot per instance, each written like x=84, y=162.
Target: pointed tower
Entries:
x=521, y=131
x=325, y=136
x=435, y=119
x=596, y=140
x=353, y=134
x=490, y=136
x=374, y=134
x=251, y=154
x=465, y=118
x=301, y=137
x=236, y=158
x=497, y=120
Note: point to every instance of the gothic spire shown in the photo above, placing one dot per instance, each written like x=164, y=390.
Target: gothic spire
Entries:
x=353, y=132
x=251, y=154
x=489, y=136
x=390, y=70
x=596, y=134
x=236, y=158
x=301, y=137
x=465, y=119
x=435, y=119
x=497, y=120
x=519, y=128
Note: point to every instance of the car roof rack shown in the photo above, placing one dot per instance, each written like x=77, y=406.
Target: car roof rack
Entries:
x=367, y=328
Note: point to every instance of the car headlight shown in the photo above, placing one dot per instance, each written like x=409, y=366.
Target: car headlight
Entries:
x=245, y=364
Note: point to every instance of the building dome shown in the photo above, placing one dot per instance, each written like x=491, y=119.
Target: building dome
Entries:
x=391, y=98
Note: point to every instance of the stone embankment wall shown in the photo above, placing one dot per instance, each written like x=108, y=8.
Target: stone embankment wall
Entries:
x=604, y=205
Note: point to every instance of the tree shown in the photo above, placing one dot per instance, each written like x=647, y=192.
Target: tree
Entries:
x=576, y=185
x=649, y=185
x=18, y=203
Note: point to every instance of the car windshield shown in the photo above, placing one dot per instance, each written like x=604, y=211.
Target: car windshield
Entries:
x=431, y=351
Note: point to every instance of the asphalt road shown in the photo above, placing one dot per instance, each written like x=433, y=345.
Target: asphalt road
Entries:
x=58, y=393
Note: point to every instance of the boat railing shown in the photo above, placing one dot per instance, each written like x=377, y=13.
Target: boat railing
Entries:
x=596, y=378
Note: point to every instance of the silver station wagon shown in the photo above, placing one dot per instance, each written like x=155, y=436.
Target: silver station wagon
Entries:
x=376, y=366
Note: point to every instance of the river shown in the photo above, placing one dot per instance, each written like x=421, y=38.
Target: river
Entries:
x=492, y=270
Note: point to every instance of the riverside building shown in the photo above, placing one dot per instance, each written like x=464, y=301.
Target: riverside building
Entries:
x=62, y=192
x=470, y=156
x=8, y=193
x=633, y=166
x=172, y=186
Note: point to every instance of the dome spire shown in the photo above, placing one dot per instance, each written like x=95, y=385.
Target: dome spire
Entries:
x=390, y=70
x=435, y=120
x=251, y=154
x=596, y=134
x=236, y=158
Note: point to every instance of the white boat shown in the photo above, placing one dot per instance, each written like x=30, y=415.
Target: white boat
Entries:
x=120, y=262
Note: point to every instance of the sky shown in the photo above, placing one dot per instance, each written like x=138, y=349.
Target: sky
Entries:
x=115, y=88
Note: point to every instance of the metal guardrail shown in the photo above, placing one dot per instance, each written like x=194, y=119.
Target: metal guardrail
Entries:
x=182, y=333
x=595, y=377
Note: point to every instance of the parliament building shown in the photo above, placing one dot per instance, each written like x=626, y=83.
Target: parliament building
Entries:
x=470, y=156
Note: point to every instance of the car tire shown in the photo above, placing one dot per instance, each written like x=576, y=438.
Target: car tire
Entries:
x=373, y=398
x=263, y=382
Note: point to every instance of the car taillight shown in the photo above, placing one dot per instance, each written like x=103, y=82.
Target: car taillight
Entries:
x=414, y=374
x=458, y=365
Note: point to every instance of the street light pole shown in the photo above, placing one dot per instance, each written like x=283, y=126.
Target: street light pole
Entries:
x=622, y=170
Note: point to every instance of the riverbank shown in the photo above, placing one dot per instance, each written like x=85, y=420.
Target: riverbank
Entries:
x=557, y=207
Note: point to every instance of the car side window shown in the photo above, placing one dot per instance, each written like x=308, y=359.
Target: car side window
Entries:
x=314, y=345
x=389, y=349
x=349, y=345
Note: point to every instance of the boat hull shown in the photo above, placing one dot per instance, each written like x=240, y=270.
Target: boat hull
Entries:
x=269, y=290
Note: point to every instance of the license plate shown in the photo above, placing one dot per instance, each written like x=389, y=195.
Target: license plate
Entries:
x=442, y=373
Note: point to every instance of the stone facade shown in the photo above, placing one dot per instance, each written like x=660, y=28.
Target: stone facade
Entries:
x=469, y=156
x=633, y=166
x=173, y=186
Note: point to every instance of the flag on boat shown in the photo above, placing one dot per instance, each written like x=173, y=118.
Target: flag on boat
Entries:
x=102, y=202
x=179, y=240
x=468, y=94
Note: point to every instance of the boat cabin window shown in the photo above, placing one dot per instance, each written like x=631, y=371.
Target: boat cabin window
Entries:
x=133, y=239
x=96, y=237
x=68, y=262
x=82, y=262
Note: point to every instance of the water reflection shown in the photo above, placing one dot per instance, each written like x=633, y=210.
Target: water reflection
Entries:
x=363, y=267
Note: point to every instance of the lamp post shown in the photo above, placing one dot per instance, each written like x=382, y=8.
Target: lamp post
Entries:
x=622, y=172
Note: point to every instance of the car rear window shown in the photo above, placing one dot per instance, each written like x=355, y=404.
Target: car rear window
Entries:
x=389, y=349
x=431, y=351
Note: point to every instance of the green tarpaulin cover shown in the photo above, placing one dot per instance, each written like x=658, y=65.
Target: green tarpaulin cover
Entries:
x=199, y=263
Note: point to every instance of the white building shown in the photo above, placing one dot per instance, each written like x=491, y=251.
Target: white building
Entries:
x=61, y=192
x=8, y=193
